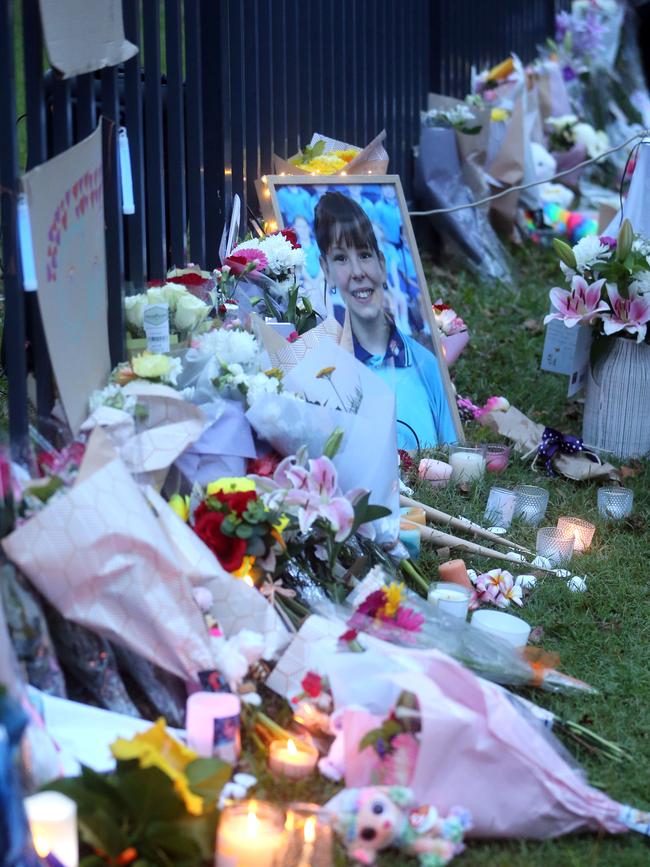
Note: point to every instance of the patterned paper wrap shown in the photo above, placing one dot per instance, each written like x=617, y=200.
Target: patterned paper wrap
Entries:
x=372, y=159
x=284, y=355
x=101, y=557
x=171, y=425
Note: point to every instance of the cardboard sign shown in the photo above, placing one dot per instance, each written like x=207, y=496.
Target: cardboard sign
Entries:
x=66, y=206
x=566, y=351
x=84, y=35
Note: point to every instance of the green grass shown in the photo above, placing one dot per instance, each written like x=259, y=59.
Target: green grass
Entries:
x=602, y=635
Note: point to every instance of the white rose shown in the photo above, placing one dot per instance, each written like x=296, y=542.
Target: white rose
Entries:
x=190, y=312
x=173, y=292
x=134, y=309
x=156, y=295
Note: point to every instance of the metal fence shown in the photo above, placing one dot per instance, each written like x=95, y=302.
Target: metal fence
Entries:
x=217, y=88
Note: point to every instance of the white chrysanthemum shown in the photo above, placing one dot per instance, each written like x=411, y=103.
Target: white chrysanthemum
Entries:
x=281, y=255
x=589, y=252
x=558, y=123
x=641, y=283
x=112, y=396
x=595, y=141
x=259, y=385
x=231, y=346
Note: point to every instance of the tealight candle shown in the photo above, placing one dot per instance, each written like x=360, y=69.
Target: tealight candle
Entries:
x=450, y=598
x=309, y=837
x=286, y=759
x=436, y=472
x=52, y=821
x=455, y=572
x=582, y=530
x=467, y=463
x=506, y=627
x=556, y=544
x=213, y=725
x=497, y=457
x=530, y=503
x=250, y=835
x=615, y=503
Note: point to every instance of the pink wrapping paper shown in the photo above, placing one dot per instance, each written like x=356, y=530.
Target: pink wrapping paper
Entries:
x=478, y=750
x=453, y=345
x=100, y=556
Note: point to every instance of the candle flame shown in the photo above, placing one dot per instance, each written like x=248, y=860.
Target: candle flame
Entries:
x=252, y=822
x=310, y=829
x=41, y=845
x=248, y=580
x=290, y=822
x=292, y=749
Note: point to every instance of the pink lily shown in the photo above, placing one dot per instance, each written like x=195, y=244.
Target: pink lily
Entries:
x=579, y=306
x=628, y=314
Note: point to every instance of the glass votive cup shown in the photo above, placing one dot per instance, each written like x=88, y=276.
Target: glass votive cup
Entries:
x=497, y=457
x=614, y=504
x=500, y=508
x=530, y=503
x=309, y=836
x=555, y=544
x=583, y=532
x=251, y=834
x=467, y=463
x=449, y=598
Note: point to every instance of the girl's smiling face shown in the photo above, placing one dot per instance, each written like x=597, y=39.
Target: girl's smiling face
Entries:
x=359, y=273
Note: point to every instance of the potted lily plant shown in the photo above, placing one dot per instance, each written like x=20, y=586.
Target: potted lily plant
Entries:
x=609, y=281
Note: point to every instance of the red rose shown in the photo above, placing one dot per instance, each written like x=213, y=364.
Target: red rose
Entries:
x=237, y=502
x=189, y=279
x=291, y=236
x=312, y=684
x=293, y=337
x=264, y=466
x=229, y=550
x=350, y=635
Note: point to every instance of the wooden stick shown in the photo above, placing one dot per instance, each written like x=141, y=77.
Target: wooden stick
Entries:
x=449, y=541
x=463, y=524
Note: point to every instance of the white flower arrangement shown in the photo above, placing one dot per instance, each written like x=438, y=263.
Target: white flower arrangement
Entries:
x=281, y=256
x=461, y=117
x=566, y=131
x=186, y=311
x=114, y=397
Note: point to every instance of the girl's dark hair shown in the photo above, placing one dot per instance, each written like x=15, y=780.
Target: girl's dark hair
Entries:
x=340, y=219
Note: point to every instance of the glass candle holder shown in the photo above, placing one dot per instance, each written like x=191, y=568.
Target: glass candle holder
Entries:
x=555, y=544
x=497, y=457
x=251, y=834
x=467, y=463
x=293, y=759
x=614, y=504
x=582, y=531
x=450, y=598
x=308, y=837
x=506, y=627
x=500, y=507
x=530, y=503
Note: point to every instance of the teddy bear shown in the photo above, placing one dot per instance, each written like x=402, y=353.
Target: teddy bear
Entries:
x=374, y=818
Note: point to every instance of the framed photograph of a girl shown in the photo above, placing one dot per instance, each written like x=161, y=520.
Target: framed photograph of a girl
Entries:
x=361, y=261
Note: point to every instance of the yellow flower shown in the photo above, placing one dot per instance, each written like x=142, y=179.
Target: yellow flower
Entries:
x=326, y=164
x=230, y=485
x=500, y=114
x=347, y=155
x=150, y=366
x=326, y=371
x=274, y=373
x=181, y=505
x=393, y=594
x=155, y=748
x=245, y=568
x=282, y=524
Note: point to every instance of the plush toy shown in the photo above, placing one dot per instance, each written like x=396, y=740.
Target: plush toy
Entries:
x=374, y=818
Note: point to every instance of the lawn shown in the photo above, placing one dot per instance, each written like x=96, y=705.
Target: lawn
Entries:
x=601, y=635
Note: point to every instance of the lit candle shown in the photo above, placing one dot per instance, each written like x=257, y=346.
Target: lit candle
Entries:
x=52, y=821
x=450, y=599
x=467, y=465
x=582, y=530
x=288, y=760
x=309, y=837
x=250, y=835
x=213, y=725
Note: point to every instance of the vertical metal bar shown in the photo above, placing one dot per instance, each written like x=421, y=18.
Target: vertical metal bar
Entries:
x=113, y=215
x=226, y=106
x=175, y=134
x=291, y=74
x=213, y=139
x=61, y=116
x=85, y=114
x=136, y=224
x=252, y=167
x=264, y=98
x=155, y=187
x=309, y=74
x=14, y=325
x=316, y=40
x=194, y=132
x=36, y=154
x=236, y=78
x=279, y=75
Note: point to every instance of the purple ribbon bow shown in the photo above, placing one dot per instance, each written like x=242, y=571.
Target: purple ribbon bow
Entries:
x=554, y=441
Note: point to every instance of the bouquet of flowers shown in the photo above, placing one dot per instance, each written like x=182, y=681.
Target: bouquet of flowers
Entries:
x=567, y=131
x=460, y=117
x=313, y=158
x=186, y=312
x=609, y=278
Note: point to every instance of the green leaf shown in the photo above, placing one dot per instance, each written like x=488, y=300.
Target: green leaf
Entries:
x=171, y=840
x=100, y=831
x=243, y=531
x=207, y=777
x=369, y=740
x=373, y=513
x=150, y=794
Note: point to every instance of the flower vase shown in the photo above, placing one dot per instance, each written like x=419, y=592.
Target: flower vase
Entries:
x=617, y=403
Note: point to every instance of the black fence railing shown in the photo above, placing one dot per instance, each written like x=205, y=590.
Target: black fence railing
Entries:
x=217, y=88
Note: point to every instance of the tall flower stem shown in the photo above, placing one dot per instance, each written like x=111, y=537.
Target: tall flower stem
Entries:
x=421, y=584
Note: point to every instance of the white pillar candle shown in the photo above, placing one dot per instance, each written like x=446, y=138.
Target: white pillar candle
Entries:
x=213, y=725
x=467, y=466
x=52, y=821
x=250, y=835
x=450, y=599
x=288, y=760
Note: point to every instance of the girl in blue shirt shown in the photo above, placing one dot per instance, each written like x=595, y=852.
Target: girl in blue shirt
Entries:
x=352, y=262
